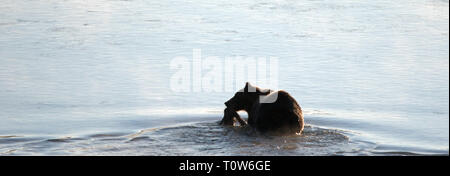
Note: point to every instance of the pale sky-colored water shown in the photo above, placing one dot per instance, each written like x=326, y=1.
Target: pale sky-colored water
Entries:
x=376, y=71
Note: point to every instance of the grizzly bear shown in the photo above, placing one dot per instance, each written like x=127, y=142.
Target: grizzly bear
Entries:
x=282, y=116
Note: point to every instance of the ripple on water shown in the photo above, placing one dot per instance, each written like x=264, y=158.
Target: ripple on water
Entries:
x=204, y=138
x=212, y=139
x=12, y=139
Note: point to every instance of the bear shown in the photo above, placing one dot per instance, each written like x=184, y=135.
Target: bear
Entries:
x=283, y=116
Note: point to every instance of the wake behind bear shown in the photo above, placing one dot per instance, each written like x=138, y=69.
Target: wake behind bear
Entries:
x=268, y=111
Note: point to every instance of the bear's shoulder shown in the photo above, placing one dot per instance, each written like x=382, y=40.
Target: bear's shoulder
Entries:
x=283, y=92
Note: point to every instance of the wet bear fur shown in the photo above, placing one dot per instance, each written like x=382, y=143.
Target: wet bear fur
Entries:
x=282, y=117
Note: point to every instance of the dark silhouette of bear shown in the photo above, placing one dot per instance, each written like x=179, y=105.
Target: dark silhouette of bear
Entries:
x=280, y=117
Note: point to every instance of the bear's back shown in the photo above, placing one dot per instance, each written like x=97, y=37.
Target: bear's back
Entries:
x=280, y=99
x=283, y=115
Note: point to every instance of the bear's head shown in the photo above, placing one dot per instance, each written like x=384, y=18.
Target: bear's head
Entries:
x=245, y=98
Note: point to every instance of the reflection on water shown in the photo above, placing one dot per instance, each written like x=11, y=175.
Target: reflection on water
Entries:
x=204, y=138
x=201, y=138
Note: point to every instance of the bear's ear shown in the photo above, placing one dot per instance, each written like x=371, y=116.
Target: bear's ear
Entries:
x=249, y=87
x=246, y=87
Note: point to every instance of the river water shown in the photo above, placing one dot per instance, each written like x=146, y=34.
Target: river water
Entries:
x=93, y=77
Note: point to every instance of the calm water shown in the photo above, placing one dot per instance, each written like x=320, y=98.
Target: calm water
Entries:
x=93, y=77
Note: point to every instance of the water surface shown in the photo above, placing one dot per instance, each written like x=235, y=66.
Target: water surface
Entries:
x=93, y=77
